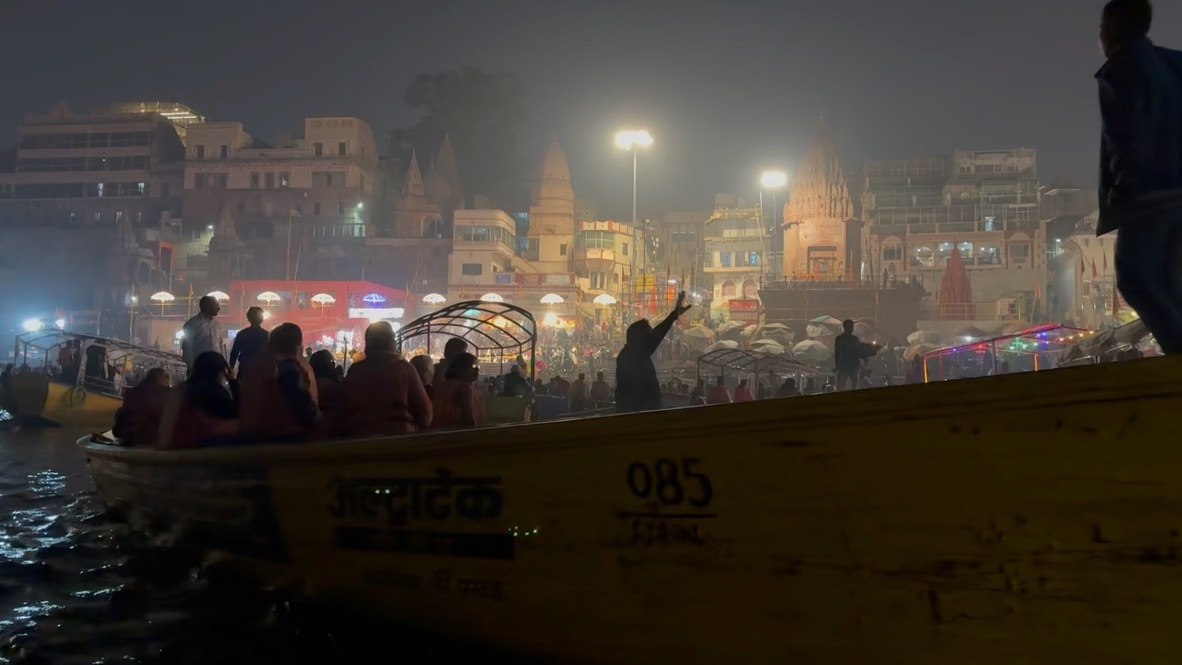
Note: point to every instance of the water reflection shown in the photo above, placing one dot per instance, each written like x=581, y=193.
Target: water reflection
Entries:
x=77, y=587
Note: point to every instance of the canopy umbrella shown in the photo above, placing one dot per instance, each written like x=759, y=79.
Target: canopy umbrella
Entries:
x=730, y=325
x=812, y=351
x=725, y=344
x=916, y=350
x=750, y=330
x=772, y=348
x=775, y=326
x=765, y=340
x=826, y=321
x=924, y=337
x=1098, y=344
x=815, y=330
x=956, y=292
x=864, y=330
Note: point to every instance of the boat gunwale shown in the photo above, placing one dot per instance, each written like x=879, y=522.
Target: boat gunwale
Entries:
x=884, y=404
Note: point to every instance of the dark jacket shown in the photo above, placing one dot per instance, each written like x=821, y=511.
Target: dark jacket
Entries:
x=637, y=387
x=1141, y=135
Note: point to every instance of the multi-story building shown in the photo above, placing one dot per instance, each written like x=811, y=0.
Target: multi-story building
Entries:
x=74, y=169
x=315, y=198
x=735, y=244
x=984, y=204
x=680, y=241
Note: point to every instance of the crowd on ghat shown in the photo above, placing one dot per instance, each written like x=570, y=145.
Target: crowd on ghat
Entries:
x=268, y=389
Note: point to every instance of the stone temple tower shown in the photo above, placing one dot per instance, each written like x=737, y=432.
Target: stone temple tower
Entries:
x=552, y=212
x=821, y=230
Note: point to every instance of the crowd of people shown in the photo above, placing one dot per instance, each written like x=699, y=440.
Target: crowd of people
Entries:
x=269, y=389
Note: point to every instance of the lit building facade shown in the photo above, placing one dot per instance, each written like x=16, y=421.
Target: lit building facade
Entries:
x=985, y=204
x=734, y=244
x=99, y=168
x=317, y=196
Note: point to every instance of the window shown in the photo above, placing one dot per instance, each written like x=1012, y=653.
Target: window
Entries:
x=255, y=179
x=892, y=253
x=316, y=209
x=725, y=262
x=988, y=255
x=728, y=289
x=752, y=259
x=471, y=269
x=923, y=257
x=361, y=186
x=1020, y=251
x=318, y=148
x=200, y=152
x=342, y=148
x=562, y=249
x=624, y=249
x=285, y=180
x=269, y=178
x=98, y=217
x=340, y=207
x=328, y=180
x=225, y=152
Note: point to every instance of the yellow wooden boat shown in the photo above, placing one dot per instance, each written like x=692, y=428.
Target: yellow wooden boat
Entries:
x=1031, y=518
x=41, y=396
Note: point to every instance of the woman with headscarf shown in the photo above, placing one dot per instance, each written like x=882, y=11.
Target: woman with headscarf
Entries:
x=456, y=398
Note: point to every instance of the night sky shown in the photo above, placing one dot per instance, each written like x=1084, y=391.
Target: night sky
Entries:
x=727, y=89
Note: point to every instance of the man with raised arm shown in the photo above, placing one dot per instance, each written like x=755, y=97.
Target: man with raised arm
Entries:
x=637, y=388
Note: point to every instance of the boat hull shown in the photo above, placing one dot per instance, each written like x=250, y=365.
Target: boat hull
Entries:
x=1020, y=518
x=39, y=399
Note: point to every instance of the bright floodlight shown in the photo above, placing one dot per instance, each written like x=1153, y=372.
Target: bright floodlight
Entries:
x=60, y=323
x=551, y=319
x=32, y=325
x=773, y=179
x=633, y=138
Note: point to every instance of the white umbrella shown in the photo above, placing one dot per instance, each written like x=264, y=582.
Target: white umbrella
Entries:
x=323, y=299
x=729, y=326
x=773, y=348
x=700, y=332
x=269, y=297
x=918, y=350
x=725, y=344
x=552, y=299
x=776, y=326
x=220, y=296
x=434, y=299
x=924, y=337
x=812, y=350
x=765, y=340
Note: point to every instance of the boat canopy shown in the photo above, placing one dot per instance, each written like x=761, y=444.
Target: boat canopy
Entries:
x=47, y=340
x=752, y=362
x=1044, y=341
x=497, y=331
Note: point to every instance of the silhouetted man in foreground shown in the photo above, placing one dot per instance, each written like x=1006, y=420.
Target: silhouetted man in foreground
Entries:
x=1141, y=166
x=848, y=354
x=637, y=388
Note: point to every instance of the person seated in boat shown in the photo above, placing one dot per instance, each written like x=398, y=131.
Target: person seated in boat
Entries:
x=201, y=410
x=516, y=385
x=637, y=387
x=743, y=393
x=698, y=394
x=600, y=391
x=718, y=393
x=425, y=368
x=454, y=347
x=328, y=383
x=278, y=393
x=383, y=394
x=788, y=388
x=137, y=421
x=96, y=377
x=457, y=395
x=578, y=394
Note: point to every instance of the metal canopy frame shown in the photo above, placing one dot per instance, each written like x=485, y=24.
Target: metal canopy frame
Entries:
x=47, y=340
x=484, y=325
x=739, y=360
x=992, y=344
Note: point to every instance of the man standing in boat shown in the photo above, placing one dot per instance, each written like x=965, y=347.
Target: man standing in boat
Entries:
x=1141, y=166
x=202, y=332
x=637, y=387
x=849, y=353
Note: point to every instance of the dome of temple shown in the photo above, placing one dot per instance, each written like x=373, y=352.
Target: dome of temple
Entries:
x=819, y=189
x=554, y=176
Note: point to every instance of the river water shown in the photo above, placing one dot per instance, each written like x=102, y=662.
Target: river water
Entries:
x=79, y=587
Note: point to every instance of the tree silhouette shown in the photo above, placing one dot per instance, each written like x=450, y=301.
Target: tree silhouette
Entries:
x=481, y=111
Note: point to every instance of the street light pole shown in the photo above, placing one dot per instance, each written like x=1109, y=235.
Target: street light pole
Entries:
x=771, y=180
x=633, y=139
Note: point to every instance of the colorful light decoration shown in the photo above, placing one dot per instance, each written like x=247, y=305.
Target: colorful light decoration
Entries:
x=220, y=296
x=492, y=297
x=162, y=297
x=269, y=297
x=434, y=299
x=323, y=299
x=552, y=299
x=374, y=298
x=604, y=299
